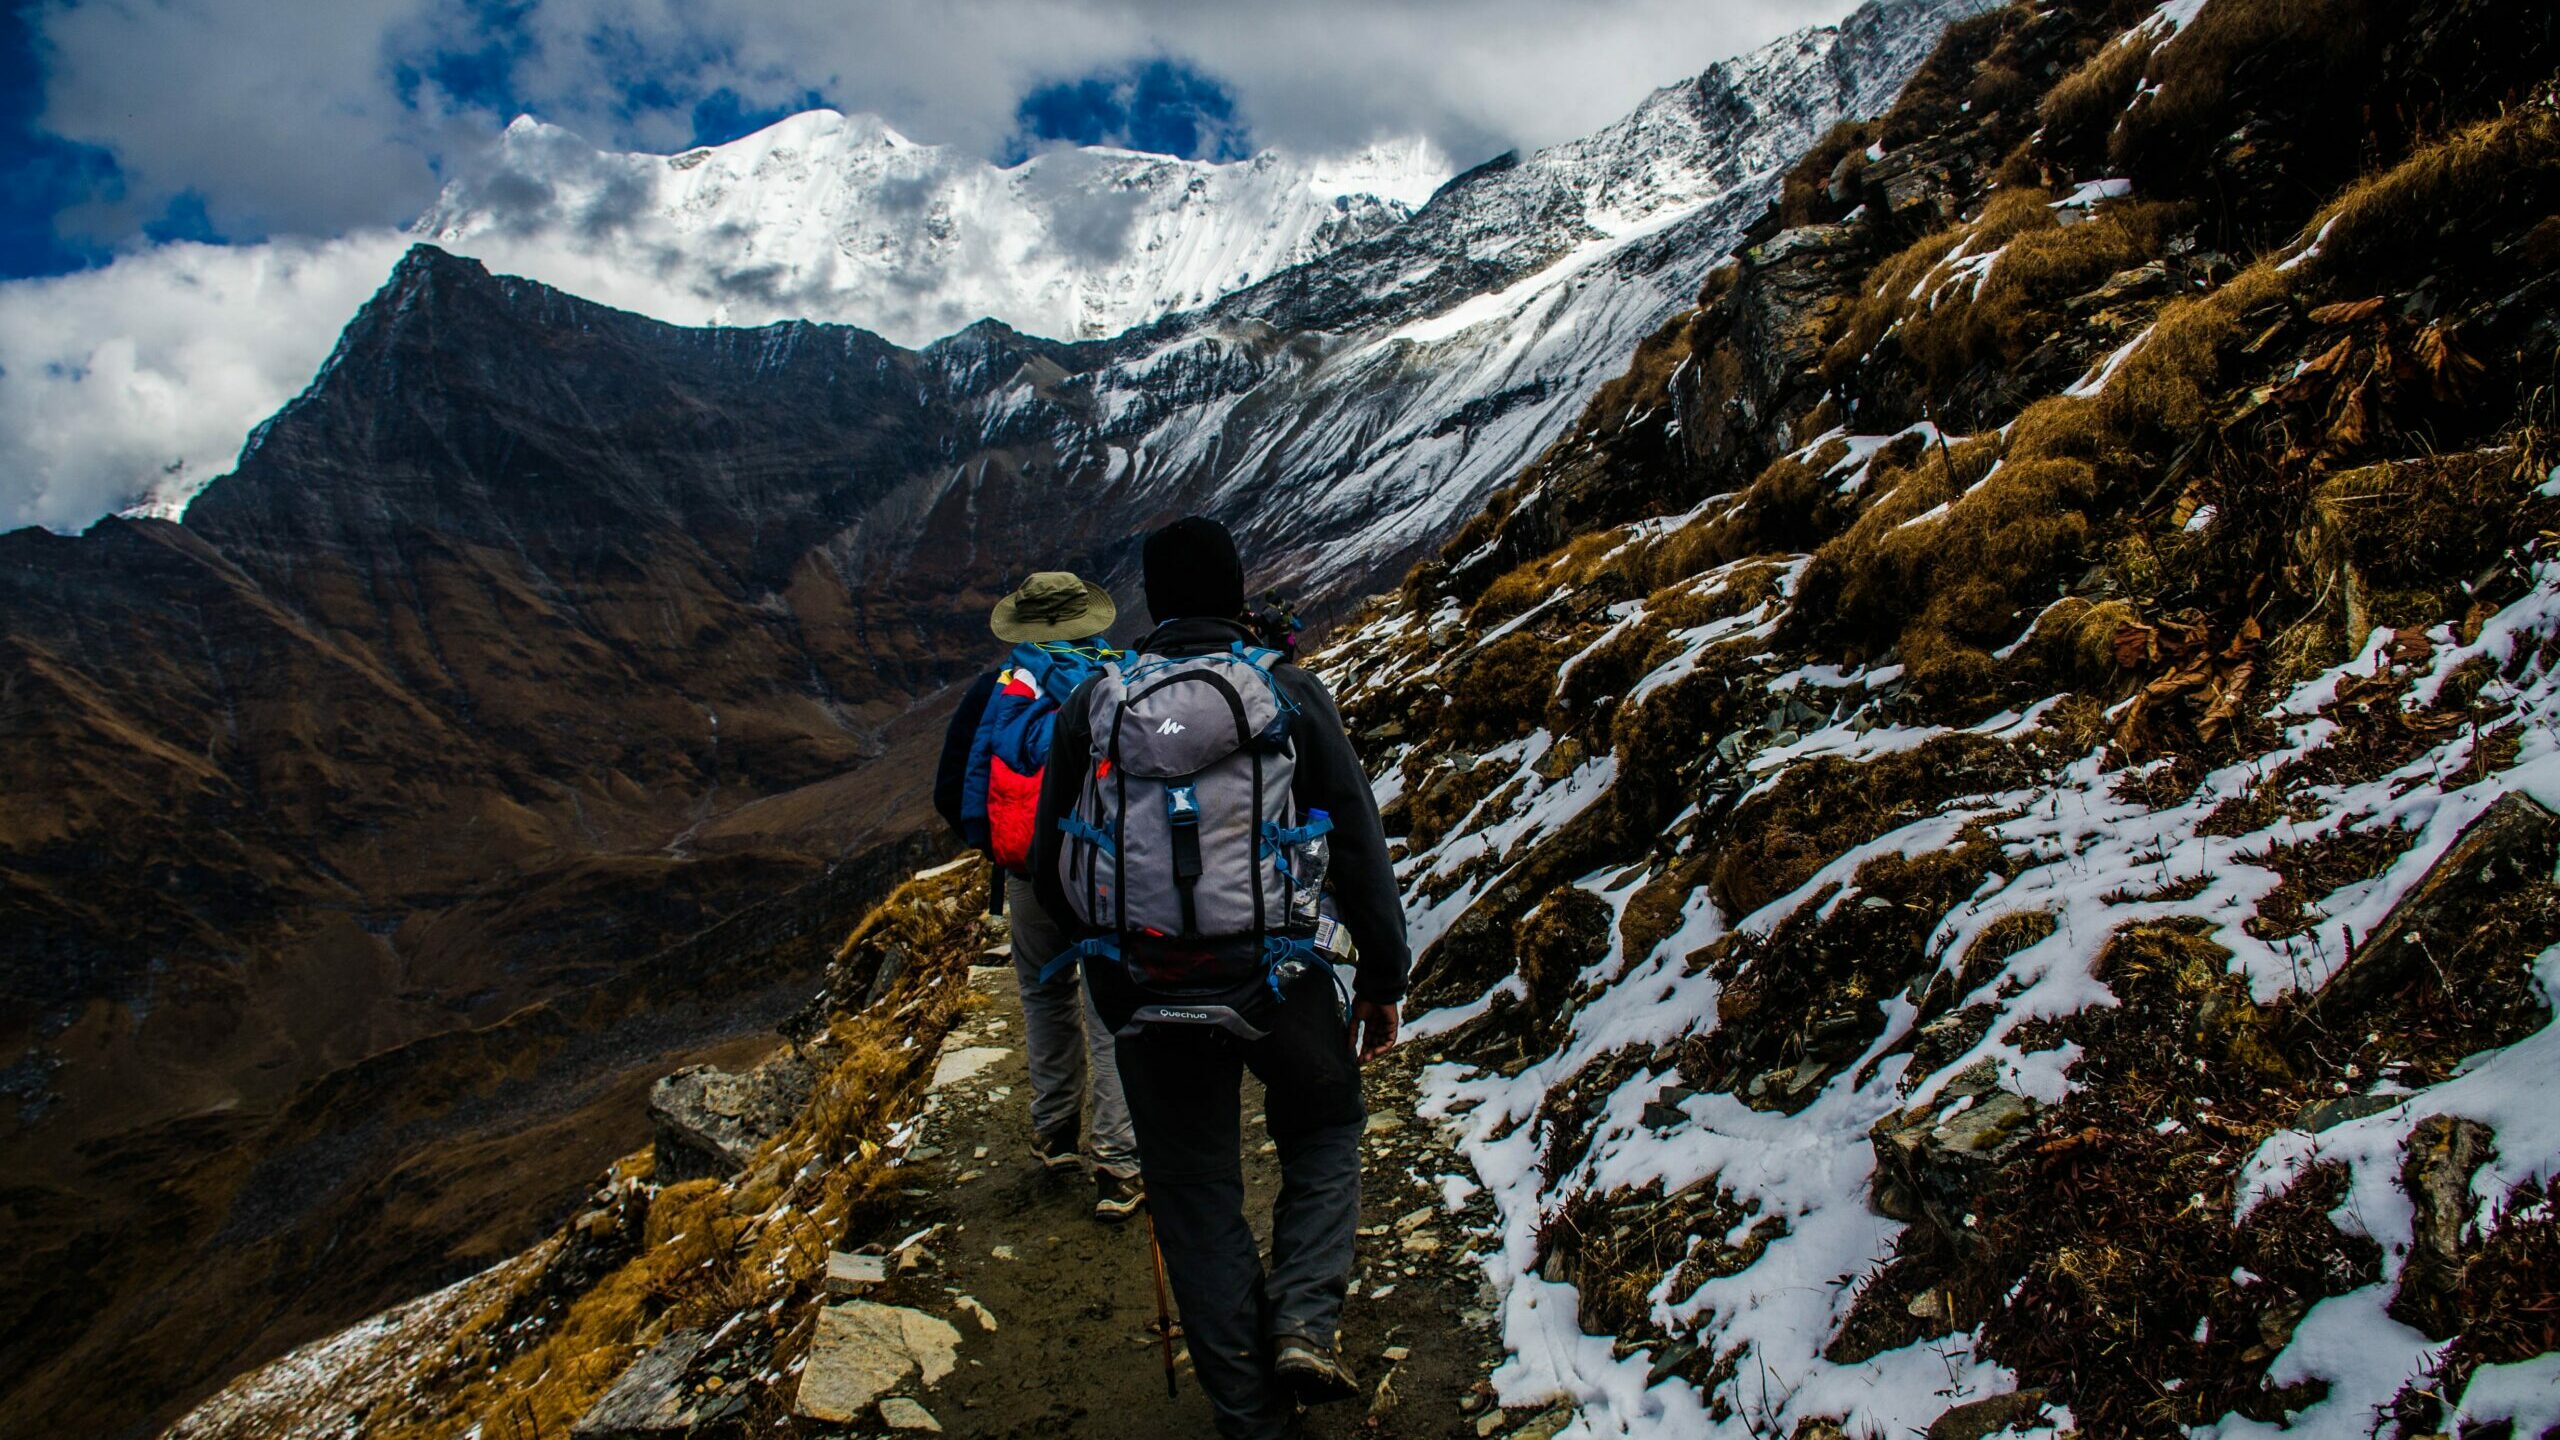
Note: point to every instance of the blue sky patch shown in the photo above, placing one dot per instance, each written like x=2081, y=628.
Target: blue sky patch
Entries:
x=40, y=174
x=1162, y=106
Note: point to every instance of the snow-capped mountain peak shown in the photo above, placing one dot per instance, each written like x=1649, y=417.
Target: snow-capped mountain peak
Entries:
x=830, y=216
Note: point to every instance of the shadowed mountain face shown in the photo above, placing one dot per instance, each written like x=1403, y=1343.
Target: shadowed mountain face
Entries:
x=345, y=819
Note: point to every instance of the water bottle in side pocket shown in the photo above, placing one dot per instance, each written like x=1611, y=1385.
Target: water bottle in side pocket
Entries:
x=1307, y=875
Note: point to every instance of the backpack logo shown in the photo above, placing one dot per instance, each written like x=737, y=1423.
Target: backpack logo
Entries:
x=1171, y=726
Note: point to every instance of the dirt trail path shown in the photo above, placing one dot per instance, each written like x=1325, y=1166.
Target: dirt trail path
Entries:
x=1073, y=1352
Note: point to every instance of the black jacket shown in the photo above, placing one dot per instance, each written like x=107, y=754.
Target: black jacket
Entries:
x=1329, y=778
x=951, y=778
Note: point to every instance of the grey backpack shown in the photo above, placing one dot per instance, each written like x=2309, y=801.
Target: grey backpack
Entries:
x=1183, y=831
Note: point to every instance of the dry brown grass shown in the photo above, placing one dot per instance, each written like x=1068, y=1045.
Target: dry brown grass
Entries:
x=1954, y=326
x=1578, y=566
x=1946, y=588
x=2081, y=112
x=1499, y=692
x=2399, y=224
x=1804, y=197
x=715, y=1247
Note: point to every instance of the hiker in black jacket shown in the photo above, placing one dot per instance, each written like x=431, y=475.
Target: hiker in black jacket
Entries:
x=1257, y=1342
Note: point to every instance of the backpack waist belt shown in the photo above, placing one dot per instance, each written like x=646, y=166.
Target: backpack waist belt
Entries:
x=1101, y=947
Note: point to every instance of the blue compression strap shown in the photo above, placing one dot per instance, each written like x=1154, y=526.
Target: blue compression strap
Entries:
x=1279, y=950
x=1276, y=836
x=1101, y=947
x=1097, y=838
x=1262, y=660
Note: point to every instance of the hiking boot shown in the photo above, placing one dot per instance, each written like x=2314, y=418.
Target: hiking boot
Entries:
x=1056, y=1150
x=1317, y=1377
x=1116, y=1197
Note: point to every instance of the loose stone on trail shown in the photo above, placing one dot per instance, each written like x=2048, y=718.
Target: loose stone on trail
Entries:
x=900, y=1413
x=849, y=1275
x=863, y=1351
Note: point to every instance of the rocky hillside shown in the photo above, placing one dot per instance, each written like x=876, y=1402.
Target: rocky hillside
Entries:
x=1984, y=822
x=706, y=1255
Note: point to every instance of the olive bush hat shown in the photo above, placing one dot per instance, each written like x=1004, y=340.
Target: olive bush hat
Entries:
x=1053, y=605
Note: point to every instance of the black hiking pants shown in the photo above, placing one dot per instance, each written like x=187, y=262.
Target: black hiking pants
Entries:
x=1184, y=1088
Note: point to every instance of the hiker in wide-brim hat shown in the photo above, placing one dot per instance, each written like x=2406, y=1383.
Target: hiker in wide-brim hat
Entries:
x=1051, y=606
x=989, y=789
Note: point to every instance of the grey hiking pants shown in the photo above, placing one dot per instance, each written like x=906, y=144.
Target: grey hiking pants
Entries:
x=1184, y=1086
x=1064, y=1040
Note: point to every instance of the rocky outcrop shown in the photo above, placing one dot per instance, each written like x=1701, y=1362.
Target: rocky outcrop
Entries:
x=2435, y=932
x=653, y=1400
x=1933, y=1160
x=2443, y=1153
x=709, y=1122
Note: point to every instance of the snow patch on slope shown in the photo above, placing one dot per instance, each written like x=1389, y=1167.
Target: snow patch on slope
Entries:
x=2086, y=858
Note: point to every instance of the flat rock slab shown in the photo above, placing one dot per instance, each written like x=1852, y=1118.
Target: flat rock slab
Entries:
x=958, y=1065
x=863, y=1351
x=900, y=1413
x=849, y=1275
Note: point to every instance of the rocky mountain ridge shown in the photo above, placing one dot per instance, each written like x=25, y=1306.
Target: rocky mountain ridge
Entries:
x=1919, y=805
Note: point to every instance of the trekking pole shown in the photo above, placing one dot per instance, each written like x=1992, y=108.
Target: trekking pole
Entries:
x=1164, y=1308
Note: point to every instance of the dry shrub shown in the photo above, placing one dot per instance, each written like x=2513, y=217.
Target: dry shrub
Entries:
x=1615, y=1248
x=2043, y=264
x=1646, y=383
x=2231, y=54
x=1945, y=586
x=1608, y=670
x=1825, y=807
x=2427, y=525
x=1997, y=941
x=1446, y=798
x=2074, y=641
x=2311, y=870
x=2081, y=112
x=1567, y=934
x=1884, y=298
x=1804, y=197
x=1499, y=692
x=2164, y=390
x=1933, y=99
x=1812, y=990
x=1653, y=913
x=1587, y=561
x=2436, y=210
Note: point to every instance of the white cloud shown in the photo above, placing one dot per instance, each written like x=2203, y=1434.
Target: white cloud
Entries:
x=141, y=378
x=309, y=119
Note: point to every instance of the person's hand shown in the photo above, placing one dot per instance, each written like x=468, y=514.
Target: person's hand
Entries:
x=1377, y=1027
